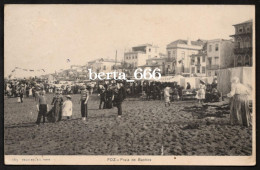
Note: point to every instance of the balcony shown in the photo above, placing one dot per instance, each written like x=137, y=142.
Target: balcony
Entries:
x=247, y=50
x=212, y=67
x=197, y=64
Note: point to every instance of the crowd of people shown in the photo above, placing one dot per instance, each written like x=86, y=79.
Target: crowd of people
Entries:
x=113, y=93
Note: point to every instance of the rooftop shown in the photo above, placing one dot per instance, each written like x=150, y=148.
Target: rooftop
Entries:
x=157, y=58
x=245, y=22
x=145, y=45
x=180, y=41
x=103, y=60
x=151, y=65
x=199, y=54
x=134, y=52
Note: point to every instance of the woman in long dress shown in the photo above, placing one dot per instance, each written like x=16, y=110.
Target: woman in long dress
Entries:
x=239, y=103
x=167, y=96
x=57, y=101
x=30, y=91
x=67, y=107
x=201, y=92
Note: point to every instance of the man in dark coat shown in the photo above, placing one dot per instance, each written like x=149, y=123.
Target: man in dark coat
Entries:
x=102, y=95
x=120, y=95
x=109, y=96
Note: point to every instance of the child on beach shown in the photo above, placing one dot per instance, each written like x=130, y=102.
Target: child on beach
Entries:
x=67, y=107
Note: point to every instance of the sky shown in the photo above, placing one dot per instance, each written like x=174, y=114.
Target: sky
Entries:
x=46, y=36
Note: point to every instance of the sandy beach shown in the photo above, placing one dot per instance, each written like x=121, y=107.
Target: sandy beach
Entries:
x=146, y=128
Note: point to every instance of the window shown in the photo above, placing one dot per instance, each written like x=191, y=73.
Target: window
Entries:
x=239, y=60
x=210, y=61
x=136, y=57
x=183, y=55
x=238, y=44
x=193, y=70
x=104, y=67
x=149, y=49
x=133, y=57
x=192, y=60
x=173, y=54
x=198, y=60
x=248, y=43
x=203, y=59
x=216, y=47
x=216, y=60
x=248, y=29
x=240, y=29
x=198, y=69
x=247, y=60
x=169, y=54
x=203, y=69
x=210, y=48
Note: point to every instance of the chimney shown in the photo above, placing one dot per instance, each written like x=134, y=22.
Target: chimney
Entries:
x=188, y=41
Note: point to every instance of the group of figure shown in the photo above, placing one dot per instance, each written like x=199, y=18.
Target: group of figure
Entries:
x=20, y=89
x=60, y=107
x=208, y=92
x=110, y=96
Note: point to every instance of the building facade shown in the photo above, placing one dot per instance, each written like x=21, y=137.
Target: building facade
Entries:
x=243, y=39
x=103, y=65
x=180, y=51
x=219, y=55
x=139, y=54
x=156, y=62
x=198, y=64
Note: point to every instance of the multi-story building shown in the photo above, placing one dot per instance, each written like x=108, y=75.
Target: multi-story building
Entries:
x=198, y=63
x=180, y=51
x=139, y=54
x=156, y=63
x=243, y=43
x=102, y=65
x=220, y=55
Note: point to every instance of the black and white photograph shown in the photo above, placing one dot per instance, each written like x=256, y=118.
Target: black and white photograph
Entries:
x=129, y=84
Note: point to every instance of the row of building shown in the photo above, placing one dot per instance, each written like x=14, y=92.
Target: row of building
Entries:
x=197, y=58
x=185, y=57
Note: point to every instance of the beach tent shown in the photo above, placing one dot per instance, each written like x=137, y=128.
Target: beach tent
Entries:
x=177, y=79
x=225, y=76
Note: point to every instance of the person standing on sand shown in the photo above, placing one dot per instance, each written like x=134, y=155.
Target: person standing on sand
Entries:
x=239, y=103
x=109, y=96
x=67, y=107
x=21, y=91
x=167, y=96
x=57, y=101
x=120, y=95
x=42, y=107
x=201, y=92
x=102, y=95
x=84, y=102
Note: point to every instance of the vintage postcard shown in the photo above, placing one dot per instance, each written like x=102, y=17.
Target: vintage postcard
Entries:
x=129, y=85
